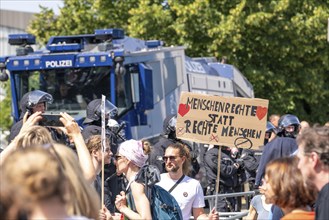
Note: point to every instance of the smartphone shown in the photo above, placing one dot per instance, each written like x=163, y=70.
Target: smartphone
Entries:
x=51, y=120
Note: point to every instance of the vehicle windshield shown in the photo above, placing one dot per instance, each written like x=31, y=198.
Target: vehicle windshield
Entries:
x=72, y=89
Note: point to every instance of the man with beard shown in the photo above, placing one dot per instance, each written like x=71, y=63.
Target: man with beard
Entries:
x=186, y=190
x=167, y=138
x=313, y=154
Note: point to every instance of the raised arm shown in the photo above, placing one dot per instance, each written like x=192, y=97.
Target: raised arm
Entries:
x=27, y=122
x=74, y=133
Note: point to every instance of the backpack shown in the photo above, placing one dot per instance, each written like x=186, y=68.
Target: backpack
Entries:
x=163, y=204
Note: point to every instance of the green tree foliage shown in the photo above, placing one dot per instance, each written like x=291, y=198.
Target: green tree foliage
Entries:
x=5, y=108
x=81, y=17
x=279, y=45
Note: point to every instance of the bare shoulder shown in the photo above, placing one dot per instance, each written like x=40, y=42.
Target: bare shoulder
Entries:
x=137, y=188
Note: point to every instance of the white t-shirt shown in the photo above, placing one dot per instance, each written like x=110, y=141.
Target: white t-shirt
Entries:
x=188, y=193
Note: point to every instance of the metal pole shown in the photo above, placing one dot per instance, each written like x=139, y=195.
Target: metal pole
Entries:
x=103, y=146
x=218, y=174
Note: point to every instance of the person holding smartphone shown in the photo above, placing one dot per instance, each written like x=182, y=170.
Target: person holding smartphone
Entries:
x=31, y=102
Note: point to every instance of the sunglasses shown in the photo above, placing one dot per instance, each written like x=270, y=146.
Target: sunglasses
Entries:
x=171, y=158
x=117, y=157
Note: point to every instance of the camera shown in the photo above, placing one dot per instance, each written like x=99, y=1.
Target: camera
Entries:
x=51, y=120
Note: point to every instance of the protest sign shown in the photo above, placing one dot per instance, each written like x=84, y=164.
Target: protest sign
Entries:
x=228, y=121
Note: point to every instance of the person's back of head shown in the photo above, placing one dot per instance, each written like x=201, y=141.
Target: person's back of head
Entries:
x=36, y=176
x=83, y=198
x=34, y=135
x=274, y=119
x=289, y=126
x=287, y=184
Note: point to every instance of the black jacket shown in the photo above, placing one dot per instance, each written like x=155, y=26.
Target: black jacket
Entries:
x=321, y=204
x=228, y=172
x=107, y=193
x=15, y=129
x=279, y=147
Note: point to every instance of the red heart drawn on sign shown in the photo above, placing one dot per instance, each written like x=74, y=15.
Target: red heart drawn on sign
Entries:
x=261, y=112
x=183, y=109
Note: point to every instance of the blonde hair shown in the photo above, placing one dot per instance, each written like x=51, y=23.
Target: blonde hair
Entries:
x=84, y=199
x=34, y=135
x=94, y=143
x=35, y=175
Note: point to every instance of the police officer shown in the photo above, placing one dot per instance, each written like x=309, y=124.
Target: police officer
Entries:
x=169, y=137
x=229, y=170
x=92, y=126
x=93, y=122
x=282, y=145
x=270, y=132
x=31, y=102
x=289, y=126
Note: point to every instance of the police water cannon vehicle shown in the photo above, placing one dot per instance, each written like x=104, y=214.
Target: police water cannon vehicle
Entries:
x=143, y=79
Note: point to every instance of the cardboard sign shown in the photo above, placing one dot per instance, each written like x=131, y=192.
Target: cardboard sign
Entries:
x=228, y=121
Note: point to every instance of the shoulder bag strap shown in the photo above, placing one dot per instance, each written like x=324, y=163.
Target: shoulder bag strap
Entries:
x=174, y=186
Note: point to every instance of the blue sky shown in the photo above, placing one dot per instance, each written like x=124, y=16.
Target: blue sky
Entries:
x=30, y=5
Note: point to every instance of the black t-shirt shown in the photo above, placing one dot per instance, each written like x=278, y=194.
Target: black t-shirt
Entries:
x=322, y=204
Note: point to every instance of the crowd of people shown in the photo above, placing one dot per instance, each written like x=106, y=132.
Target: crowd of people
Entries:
x=55, y=172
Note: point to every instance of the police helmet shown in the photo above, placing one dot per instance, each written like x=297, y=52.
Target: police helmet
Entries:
x=268, y=133
x=284, y=122
x=94, y=111
x=270, y=127
x=169, y=124
x=31, y=99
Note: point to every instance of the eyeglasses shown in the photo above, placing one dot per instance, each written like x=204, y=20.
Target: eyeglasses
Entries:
x=171, y=158
x=117, y=157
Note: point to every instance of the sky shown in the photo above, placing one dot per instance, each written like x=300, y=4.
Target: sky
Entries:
x=30, y=5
